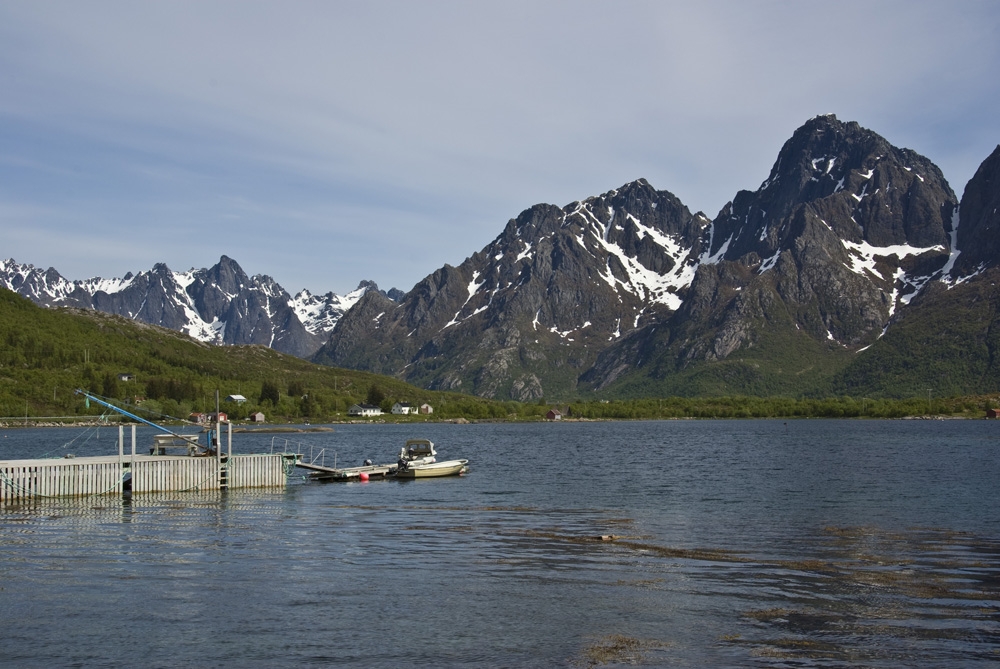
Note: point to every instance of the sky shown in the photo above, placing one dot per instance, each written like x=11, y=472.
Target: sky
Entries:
x=325, y=143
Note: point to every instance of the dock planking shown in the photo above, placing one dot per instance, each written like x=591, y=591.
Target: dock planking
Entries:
x=323, y=473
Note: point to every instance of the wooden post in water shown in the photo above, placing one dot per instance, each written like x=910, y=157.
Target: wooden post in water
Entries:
x=121, y=458
x=121, y=474
x=223, y=483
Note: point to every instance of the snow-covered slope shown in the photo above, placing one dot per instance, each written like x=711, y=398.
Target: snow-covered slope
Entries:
x=320, y=313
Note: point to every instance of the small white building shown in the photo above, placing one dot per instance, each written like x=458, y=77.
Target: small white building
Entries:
x=364, y=410
x=256, y=417
x=239, y=399
x=426, y=409
x=403, y=408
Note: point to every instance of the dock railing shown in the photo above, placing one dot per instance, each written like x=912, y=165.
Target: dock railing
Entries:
x=308, y=453
x=132, y=473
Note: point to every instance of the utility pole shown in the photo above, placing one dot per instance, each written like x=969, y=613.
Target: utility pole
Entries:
x=928, y=401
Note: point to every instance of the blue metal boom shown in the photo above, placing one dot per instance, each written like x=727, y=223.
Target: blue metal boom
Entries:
x=127, y=413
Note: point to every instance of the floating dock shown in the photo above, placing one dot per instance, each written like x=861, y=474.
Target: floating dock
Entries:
x=315, y=462
x=24, y=480
x=323, y=473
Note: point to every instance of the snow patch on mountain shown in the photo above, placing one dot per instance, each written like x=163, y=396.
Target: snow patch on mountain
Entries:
x=319, y=313
x=474, y=287
x=646, y=284
x=953, y=256
x=863, y=257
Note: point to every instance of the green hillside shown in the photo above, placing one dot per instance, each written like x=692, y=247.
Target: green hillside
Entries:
x=45, y=354
x=783, y=361
x=947, y=343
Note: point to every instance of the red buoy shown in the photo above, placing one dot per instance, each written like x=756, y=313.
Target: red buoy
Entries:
x=363, y=476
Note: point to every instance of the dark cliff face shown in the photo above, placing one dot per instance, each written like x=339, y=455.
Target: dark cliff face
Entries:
x=255, y=310
x=947, y=339
x=216, y=287
x=845, y=227
x=866, y=189
x=978, y=234
x=150, y=297
x=355, y=346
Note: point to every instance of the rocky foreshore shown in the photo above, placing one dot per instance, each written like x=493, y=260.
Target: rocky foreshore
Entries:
x=29, y=422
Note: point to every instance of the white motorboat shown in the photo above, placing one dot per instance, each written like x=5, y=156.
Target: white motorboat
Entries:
x=417, y=452
x=446, y=468
x=418, y=459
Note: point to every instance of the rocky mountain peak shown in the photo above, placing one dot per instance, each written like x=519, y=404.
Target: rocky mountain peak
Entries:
x=394, y=294
x=854, y=180
x=845, y=230
x=569, y=279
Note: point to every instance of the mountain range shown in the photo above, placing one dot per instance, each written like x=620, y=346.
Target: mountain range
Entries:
x=220, y=305
x=852, y=268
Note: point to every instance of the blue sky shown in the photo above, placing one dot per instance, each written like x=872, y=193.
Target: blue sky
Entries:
x=324, y=143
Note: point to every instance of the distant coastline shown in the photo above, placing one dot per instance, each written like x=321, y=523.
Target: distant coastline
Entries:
x=20, y=423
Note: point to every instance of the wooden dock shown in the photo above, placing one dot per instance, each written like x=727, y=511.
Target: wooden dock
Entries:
x=323, y=473
x=23, y=480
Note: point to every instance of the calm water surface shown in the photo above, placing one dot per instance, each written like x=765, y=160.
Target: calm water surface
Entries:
x=737, y=543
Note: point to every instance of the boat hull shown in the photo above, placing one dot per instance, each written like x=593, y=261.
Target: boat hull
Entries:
x=433, y=470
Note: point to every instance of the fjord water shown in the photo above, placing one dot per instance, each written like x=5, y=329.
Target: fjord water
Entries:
x=737, y=543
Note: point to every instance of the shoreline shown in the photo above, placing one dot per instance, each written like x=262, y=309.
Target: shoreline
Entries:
x=293, y=428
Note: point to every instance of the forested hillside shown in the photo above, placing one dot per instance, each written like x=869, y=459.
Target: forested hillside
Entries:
x=48, y=353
